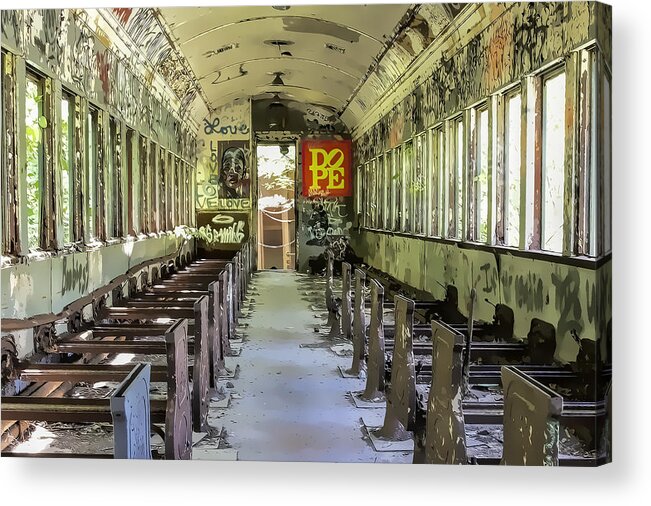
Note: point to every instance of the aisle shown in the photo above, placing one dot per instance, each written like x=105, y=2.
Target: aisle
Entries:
x=293, y=404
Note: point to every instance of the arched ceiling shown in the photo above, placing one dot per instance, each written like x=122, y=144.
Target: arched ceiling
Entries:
x=341, y=57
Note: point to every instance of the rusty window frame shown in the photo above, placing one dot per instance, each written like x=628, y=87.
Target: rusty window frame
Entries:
x=504, y=165
x=91, y=186
x=605, y=175
x=386, y=225
x=379, y=190
x=420, y=184
x=39, y=195
x=358, y=194
x=153, y=187
x=436, y=162
x=68, y=138
x=396, y=188
x=454, y=176
x=10, y=229
x=169, y=171
x=546, y=77
x=115, y=156
x=406, y=176
x=143, y=178
x=162, y=188
x=371, y=188
x=130, y=173
x=474, y=198
x=177, y=164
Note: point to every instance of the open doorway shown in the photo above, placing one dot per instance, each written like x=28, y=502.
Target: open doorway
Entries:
x=276, y=164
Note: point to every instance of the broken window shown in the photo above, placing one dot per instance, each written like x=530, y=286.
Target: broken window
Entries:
x=397, y=188
x=607, y=171
x=35, y=124
x=66, y=166
x=143, y=179
x=553, y=161
x=9, y=166
x=152, y=177
x=480, y=180
x=169, y=171
x=379, y=191
x=91, y=174
x=454, y=179
x=132, y=179
x=371, y=189
x=512, y=164
x=437, y=168
x=162, y=177
x=419, y=185
x=388, y=188
x=406, y=174
x=113, y=184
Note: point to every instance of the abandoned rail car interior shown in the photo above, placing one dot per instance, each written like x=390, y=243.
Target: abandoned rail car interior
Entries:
x=324, y=233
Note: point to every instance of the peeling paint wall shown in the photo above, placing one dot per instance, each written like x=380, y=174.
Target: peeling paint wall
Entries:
x=83, y=51
x=487, y=47
x=569, y=297
x=70, y=45
x=490, y=46
x=49, y=285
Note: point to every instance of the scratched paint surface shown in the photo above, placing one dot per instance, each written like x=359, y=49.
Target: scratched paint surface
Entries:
x=568, y=297
x=89, y=63
x=48, y=285
x=494, y=47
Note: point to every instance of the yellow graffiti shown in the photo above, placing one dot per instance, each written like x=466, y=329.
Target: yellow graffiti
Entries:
x=328, y=167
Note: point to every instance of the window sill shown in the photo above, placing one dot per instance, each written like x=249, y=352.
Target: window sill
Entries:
x=547, y=256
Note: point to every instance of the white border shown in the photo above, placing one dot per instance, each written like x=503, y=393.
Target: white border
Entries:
x=627, y=481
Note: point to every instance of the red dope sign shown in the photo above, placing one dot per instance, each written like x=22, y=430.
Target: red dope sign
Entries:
x=327, y=168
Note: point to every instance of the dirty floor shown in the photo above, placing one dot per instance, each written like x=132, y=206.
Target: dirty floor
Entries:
x=289, y=402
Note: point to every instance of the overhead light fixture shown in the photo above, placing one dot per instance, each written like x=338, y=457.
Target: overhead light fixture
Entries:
x=281, y=7
x=278, y=81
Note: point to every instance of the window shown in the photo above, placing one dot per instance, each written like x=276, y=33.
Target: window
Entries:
x=419, y=185
x=169, y=170
x=389, y=218
x=9, y=168
x=406, y=188
x=366, y=199
x=396, y=188
x=66, y=166
x=132, y=181
x=359, y=183
x=35, y=124
x=92, y=202
x=454, y=186
x=144, y=187
x=607, y=171
x=437, y=176
x=162, y=160
x=152, y=177
x=379, y=191
x=512, y=164
x=480, y=180
x=372, y=193
x=114, y=181
x=553, y=162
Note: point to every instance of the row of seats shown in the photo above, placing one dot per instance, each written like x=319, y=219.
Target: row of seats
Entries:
x=176, y=328
x=458, y=388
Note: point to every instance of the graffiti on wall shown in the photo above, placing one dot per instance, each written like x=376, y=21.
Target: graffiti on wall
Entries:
x=215, y=229
x=523, y=38
x=324, y=220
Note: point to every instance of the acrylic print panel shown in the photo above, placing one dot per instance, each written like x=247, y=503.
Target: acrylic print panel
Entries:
x=451, y=302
